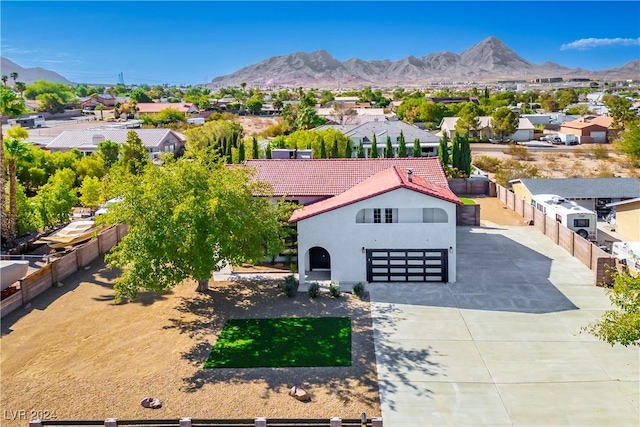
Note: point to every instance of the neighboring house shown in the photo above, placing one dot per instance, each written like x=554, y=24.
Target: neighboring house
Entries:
x=352, y=116
x=586, y=132
x=156, y=107
x=156, y=141
x=394, y=226
x=364, y=133
x=524, y=132
x=104, y=99
x=592, y=193
x=454, y=100
x=628, y=218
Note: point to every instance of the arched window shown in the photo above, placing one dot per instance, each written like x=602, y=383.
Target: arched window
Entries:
x=432, y=215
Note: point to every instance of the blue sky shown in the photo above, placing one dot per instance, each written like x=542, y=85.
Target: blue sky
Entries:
x=157, y=42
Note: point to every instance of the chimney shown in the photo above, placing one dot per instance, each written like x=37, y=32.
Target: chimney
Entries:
x=409, y=174
x=97, y=138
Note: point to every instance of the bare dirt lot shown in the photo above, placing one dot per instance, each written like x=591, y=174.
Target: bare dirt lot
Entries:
x=584, y=161
x=75, y=353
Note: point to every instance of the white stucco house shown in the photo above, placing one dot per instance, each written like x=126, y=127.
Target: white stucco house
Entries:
x=394, y=226
x=524, y=132
x=156, y=141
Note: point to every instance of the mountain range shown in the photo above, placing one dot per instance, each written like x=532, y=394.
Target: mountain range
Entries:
x=488, y=60
x=29, y=75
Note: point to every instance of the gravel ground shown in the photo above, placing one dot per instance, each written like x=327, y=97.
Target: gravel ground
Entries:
x=75, y=353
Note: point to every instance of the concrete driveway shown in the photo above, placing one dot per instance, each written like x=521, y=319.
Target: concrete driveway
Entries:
x=502, y=347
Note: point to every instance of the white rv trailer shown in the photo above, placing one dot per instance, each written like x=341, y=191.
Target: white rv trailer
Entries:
x=568, y=213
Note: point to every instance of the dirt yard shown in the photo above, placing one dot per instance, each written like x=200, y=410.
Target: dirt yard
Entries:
x=583, y=161
x=494, y=212
x=75, y=353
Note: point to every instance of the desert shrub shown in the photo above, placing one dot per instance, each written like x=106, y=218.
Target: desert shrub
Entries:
x=292, y=267
x=549, y=157
x=580, y=152
x=604, y=171
x=277, y=129
x=314, y=290
x=577, y=170
x=334, y=290
x=487, y=163
x=358, y=289
x=513, y=169
x=289, y=286
x=520, y=152
x=599, y=152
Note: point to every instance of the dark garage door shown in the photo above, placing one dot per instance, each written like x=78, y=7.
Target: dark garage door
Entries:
x=407, y=265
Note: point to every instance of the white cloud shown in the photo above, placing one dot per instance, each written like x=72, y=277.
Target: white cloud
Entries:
x=11, y=50
x=590, y=43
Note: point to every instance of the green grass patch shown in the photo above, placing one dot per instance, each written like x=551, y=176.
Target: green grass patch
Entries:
x=285, y=342
x=466, y=201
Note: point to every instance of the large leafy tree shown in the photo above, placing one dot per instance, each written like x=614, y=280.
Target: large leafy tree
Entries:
x=504, y=122
x=468, y=120
x=619, y=110
x=108, y=151
x=51, y=103
x=629, y=143
x=254, y=104
x=622, y=324
x=187, y=219
x=134, y=154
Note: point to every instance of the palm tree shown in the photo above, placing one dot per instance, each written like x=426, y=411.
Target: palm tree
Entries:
x=4, y=79
x=20, y=87
x=243, y=85
x=101, y=107
x=14, y=76
x=11, y=106
x=15, y=150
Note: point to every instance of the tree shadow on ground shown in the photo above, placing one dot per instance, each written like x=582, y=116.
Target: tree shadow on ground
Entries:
x=204, y=316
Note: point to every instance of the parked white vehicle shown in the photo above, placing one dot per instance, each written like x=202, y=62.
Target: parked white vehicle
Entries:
x=199, y=121
x=573, y=216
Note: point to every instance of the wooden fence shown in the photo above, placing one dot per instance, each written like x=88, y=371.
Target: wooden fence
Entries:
x=600, y=262
x=42, y=279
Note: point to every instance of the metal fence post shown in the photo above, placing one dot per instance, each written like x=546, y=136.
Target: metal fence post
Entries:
x=376, y=422
x=335, y=422
x=185, y=422
x=35, y=423
x=111, y=422
x=261, y=422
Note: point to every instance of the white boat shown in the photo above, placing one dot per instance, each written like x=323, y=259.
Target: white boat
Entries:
x=72, y=234
x=11, y=272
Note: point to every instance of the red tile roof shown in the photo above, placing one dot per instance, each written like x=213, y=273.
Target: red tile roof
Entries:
x=330, y=177
x=389, y=179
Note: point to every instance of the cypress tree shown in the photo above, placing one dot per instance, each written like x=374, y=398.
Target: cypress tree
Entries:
x=388, y=150
x=241, y=152
x=268, y=151
x=456, y=158
x=334, y=148
x=323, y=150
x=443, y=151
x=465, y=154
x=402, y=146
x=374, y=147
x=348, y=149
x=254, y=148
x=417, y=151
x=360, y=152
x=229, y=156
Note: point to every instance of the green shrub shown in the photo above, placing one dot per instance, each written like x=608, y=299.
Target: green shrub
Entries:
x=314, y=290
x=358, y=289
x=334, y=290
x=488, y=163
x=289, y=286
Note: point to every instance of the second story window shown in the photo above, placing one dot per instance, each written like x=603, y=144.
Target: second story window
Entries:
x=388, y=216
x=377, y=216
